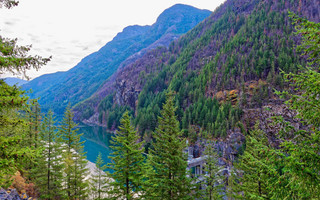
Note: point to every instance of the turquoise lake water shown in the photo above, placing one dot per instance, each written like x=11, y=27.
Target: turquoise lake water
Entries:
x=97, y=139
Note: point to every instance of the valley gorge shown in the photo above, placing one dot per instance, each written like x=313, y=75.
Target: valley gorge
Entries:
x=215, y=105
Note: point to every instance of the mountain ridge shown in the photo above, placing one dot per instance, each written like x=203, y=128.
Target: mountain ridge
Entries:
x=88, y=75
x=235, y=56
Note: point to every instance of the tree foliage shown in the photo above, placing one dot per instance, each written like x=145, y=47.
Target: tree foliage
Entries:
x=302, y=146
x=48, y=171
x=127, y=162
x=14, y=149
x=99, y=181
x=167, y=175
x=254, y=170
x=291, y=169
x=8, y=3
x=15, y=58
x=75, y=171
x=212, y=179
x=310, y=32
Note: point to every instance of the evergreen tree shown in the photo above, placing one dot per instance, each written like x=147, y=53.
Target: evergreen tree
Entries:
x=74, y=159
x=35, y=121
x=30, y=115
x=48, y=170
x=290, y=171
x=33, y=117
x=167, y=175
x=127, y=161
x=301, y=147
x=13, y=149
x=99, y=180
x=212, y=177
x=253, y=171
x=81, y=184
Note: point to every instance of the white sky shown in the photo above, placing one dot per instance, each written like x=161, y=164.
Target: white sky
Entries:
x=69, y=30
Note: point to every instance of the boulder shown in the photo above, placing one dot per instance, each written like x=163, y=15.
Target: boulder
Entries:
x=3, y=194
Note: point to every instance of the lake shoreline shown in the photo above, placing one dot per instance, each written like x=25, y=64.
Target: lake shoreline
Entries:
x=94, y=125
x=96, y=139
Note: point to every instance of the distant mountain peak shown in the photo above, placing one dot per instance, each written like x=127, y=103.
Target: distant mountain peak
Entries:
x=179, y=11
x=80, y=82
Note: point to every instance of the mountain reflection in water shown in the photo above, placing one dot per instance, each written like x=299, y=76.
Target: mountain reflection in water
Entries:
x=97, y=139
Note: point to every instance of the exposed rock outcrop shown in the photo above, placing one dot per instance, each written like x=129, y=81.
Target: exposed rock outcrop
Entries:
x=264, y=116
x=12, y=194
x=227, y=149
x=126, y=94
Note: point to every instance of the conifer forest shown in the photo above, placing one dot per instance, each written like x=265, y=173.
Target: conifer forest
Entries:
x=199, y=105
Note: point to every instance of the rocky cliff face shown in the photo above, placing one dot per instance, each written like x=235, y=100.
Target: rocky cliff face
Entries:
x=126, y=94
x=131, y=79
x=264, y=116
x=233, y=146
x=227, y=149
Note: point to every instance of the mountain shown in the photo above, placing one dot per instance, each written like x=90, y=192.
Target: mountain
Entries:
x=15, y=81
x=58, y=89
x=223, y=71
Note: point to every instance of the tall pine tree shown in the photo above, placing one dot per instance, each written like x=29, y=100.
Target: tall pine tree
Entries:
x=14, y=149
x=255, y=168
x=99, y=180
x=167, y=175
x=75, y=184
x=302, y=146
x=127, y=162
x=48, y=171
x=212, y=178
x=80, y=181
x=33, y=117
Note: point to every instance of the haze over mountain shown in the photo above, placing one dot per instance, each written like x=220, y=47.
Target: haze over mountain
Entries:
x=15, y=81
x=58, y=89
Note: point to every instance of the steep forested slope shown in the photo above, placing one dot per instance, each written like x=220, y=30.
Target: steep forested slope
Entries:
x=227, y=64
x=59, y=89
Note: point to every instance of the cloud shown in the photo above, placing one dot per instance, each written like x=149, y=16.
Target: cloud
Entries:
x=70, y=30
x=35, y=39
x=9, y=23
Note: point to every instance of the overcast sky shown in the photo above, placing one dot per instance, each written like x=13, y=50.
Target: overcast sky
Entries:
x=69, y=30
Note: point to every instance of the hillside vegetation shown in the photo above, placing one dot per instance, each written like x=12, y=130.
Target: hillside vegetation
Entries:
x=229, y=63
x=240, y=90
